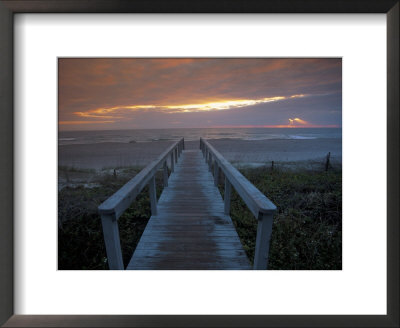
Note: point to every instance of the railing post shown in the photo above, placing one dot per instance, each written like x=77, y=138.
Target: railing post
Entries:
x=216, y=171
x=227, y=196
x=113, y=244
x=172, y=161
x=183, y=144
x=176, y=154
x=209, y=161
x=264, y=230
x=153, y=195
x=165, y=171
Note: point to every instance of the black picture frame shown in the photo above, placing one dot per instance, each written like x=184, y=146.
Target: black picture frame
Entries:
x=10, y=7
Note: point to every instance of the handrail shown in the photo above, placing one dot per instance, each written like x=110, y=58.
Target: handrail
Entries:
x=259, y=205
x=254, y=199
x=121, y=200
x=112, y=208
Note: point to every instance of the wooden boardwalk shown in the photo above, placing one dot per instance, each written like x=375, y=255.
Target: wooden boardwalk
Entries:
x=190, y=229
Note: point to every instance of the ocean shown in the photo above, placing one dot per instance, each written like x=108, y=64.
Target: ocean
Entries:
x=149, y=135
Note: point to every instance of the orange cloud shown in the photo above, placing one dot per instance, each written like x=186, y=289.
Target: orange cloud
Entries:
x=83, y=122
x=296, y=121
x=108, y=112
x=136, y=90
x=82, y=114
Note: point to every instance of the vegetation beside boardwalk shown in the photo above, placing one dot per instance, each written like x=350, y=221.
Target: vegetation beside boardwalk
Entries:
x=307, y=230
x=80, y=235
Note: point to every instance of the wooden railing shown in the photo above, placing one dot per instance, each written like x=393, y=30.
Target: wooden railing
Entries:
x=111, y=209
x=261, y=207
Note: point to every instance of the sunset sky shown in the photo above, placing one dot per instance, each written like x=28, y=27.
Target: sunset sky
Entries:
x=116, y=93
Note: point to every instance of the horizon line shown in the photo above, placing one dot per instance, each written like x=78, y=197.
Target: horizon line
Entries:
x=278, y=126
x=331, y=126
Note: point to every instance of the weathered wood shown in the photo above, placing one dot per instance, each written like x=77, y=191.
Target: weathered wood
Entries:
x=208, y=221
x=165, y=173
x=216, y=171
x=144, y=263
x=191, y=230
x=153, y=195
x=227, y=196
x=184, y=255
x=112, y=242
x=114, y=206
x=172, y=162
x=123, y=198
x=185, y=234
x=327, y=163
x=261, y=207
x=190, y=227
x=254, y=199
x=264, y=230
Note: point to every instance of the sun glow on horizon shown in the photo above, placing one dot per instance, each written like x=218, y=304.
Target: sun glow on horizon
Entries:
x=296, y=121
x=120, y=112
x=250, y=126
x=293, y=123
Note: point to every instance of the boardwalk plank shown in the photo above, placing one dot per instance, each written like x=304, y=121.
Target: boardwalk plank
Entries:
x=191, y=230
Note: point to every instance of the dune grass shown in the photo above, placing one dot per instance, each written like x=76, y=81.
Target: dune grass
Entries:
x=80, y=236
x=307, y=230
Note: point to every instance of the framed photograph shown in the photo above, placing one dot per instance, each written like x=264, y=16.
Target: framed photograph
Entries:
x=183, y=130
x=90, y=92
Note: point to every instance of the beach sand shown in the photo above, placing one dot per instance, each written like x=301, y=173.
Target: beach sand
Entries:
x=86, y=164
x=110, y=154
x=239, y=152
x=261, y=152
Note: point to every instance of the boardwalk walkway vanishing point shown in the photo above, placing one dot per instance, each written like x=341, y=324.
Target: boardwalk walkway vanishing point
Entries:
x=190, y=227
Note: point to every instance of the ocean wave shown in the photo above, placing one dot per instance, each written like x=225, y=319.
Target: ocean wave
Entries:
x=163, y=139
x=301, y=137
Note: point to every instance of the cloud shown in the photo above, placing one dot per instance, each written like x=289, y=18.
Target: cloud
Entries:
x=297, y=121
x=123, y=111
x=126, y=90
x=83, y=122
